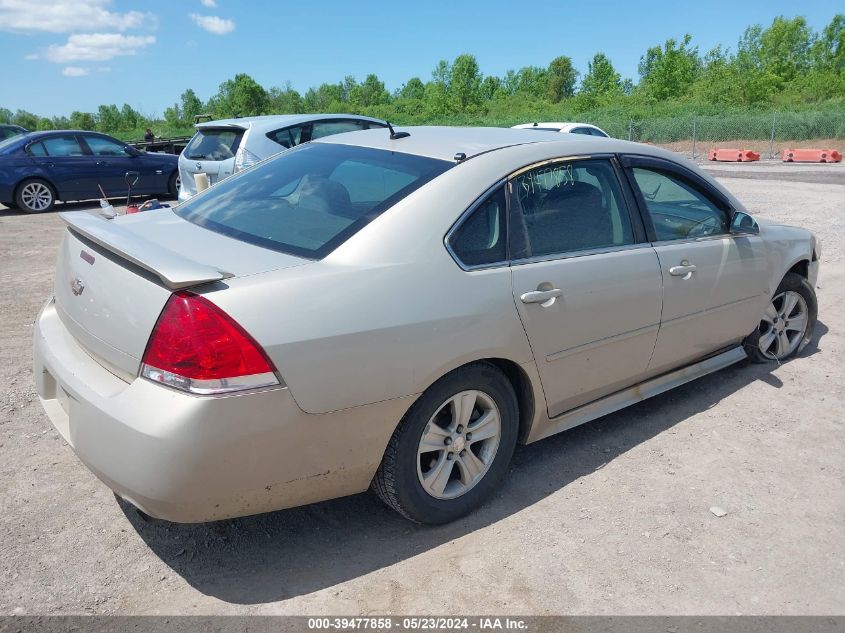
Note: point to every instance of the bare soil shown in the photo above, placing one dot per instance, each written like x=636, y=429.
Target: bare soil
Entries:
x=610, y=518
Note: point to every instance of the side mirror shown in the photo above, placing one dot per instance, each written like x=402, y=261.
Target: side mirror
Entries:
x=744, y=224
x=132, y=151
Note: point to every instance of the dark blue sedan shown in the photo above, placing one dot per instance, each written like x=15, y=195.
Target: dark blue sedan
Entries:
x=39, y=168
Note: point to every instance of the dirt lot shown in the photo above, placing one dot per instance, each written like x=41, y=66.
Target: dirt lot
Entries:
x=610, y=518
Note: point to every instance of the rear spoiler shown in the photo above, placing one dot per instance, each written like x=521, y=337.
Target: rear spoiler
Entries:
x=174, y=270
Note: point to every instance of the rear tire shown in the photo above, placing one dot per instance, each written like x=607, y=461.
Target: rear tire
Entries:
x=787, y=324
x=459, y=472
x=35, y=196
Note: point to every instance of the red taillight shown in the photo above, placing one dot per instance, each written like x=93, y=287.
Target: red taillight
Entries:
x=197, y=347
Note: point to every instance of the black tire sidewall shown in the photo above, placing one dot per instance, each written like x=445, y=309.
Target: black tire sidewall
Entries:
x=795, y=283
x=172, y=189
x=417, y=503
x=19, y=199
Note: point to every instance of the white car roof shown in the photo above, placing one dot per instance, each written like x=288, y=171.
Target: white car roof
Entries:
x=275, y=121
x=562, y=125
x=443, y=142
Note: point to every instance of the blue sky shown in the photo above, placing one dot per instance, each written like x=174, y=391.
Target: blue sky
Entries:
x=63, y=55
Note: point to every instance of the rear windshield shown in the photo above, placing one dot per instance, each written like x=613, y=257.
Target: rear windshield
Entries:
x=311, y=199
x=214, y=144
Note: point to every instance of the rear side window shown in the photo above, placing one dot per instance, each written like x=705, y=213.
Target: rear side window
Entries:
x=568, y=207
x=214, y=144
x=310, y=200
x=36, y=149
x=59, y=146
x=481, y=240
x=287, y=137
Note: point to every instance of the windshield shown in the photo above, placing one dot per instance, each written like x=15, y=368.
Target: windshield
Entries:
x=311, y=199
x=214, y=144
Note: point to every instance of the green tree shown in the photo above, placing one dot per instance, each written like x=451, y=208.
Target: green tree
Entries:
x=601, y=79
x=25, y=119
x=129, y=118
x=240, y=96
x=5, y=115
x=285, y=101
x=532, y=81
x=784, y=48
x=561, y=79
x=465, y=84
x=173, y=115
x=491, y=88
x=191, y=106
x=414, y=88
x=82, y=121
x=108, y=118
x=60, y=123
x=370, y=93
x=45, y=124
x=322, y=98
x=669, y=72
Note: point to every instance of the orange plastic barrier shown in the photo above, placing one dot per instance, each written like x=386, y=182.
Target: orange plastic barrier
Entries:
x=811, y=156
x=734, y=155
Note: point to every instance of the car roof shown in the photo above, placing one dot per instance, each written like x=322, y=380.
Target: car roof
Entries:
x=558, y=124
x=445, y=143
x=273, y=121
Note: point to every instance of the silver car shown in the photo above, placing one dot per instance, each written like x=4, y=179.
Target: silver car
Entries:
x=395, y=310
x=222, y=148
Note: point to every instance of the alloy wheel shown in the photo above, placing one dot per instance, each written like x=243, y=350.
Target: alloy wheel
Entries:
x=36, y=196
x=784, y=325
x=459, y=444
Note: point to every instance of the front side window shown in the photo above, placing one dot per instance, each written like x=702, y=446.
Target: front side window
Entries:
x=310, y=200
x=327, y=128
x=481, y=240
x=62, y=146
x=105, y=146
x=678, y=209
x=568, y=207
x=214, y=144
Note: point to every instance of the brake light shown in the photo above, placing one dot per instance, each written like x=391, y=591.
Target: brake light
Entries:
x=197, y=347
x=244, y=158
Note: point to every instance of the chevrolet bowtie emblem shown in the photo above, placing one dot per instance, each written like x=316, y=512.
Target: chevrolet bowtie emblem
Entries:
x=77, y=286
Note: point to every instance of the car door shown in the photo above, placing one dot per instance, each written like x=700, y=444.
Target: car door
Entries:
x=64, y=163
x=113, y=159
x=586, y=283
x=712, y=279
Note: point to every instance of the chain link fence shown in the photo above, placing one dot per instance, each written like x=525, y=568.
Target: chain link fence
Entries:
x=766, y=133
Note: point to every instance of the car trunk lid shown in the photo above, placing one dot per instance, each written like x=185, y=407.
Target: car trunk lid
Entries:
x=114, y=278
x=211, y=151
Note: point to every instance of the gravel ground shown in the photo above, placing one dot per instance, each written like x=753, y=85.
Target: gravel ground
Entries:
x=610, y=518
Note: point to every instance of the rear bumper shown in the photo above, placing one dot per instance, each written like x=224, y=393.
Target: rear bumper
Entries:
x=186, y=458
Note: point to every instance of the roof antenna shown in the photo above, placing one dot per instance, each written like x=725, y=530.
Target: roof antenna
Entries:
x=396, y=135
x=536, y=124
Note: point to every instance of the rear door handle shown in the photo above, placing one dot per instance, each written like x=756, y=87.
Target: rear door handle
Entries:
x=546, y=297
x=685, y=270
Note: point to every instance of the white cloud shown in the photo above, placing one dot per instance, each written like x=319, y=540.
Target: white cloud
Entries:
x=74, y=71
x=57, y=16
x=213, y=24
x=96, y=47
x=211, y=4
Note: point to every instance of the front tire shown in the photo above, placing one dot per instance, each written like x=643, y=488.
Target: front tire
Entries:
x=787, y=324
x=452, y=447
x=35, y=196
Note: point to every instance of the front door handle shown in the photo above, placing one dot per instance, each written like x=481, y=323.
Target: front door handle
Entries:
x=685, y=270
x=544, y=297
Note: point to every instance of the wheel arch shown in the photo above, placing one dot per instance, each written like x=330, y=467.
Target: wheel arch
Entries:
x=527, y=390
x=56, y=191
